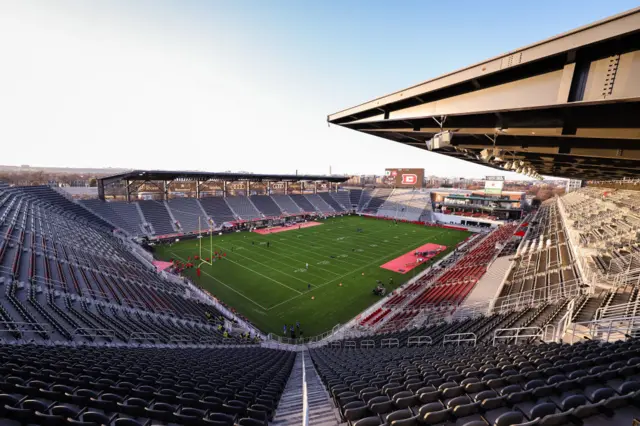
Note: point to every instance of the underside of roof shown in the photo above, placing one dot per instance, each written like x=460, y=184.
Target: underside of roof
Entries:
x=568, y=106
x=166, y=175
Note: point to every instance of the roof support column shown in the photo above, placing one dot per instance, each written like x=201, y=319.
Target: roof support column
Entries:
x=315, y=187
x=101, y=189
x=197, y=188
x=127, y=186
x=165, y=190
x=286, y=188
x=224, y=188
x=248, y=188
x=566, y=81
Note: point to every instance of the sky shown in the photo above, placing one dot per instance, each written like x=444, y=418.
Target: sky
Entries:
x=241, y=85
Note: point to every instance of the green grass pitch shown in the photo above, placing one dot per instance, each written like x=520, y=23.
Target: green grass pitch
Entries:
x=268, y=285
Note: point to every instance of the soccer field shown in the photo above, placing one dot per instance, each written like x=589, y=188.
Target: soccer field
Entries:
x=269, y=284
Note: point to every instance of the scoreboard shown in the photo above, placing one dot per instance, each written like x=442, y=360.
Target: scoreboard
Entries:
x=493, y=185
x=407, y=178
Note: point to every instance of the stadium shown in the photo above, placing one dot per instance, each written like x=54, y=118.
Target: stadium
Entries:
x=223, y=298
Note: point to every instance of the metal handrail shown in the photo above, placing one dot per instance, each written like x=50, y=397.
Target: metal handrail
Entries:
x=93, y=332
x=179, y=338
x=141, y=335
x=350, y=344
x=390, y=342
x=305, y=400
x=460, y=338
x=606, y=329
x=537, y=332
x=22, y=326
x=368, y=344
x=618, y=310
x=419, y=340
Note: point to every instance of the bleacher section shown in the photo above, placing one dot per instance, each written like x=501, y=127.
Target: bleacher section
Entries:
x=129, y=213
x=218, y=209
x=243, y=208
x=330, y=199
x=543, y=263
x=266, y=205
x=121, y=215
x=416, y=206
x=141, y=386
x=319, y=204
x=286, y=204
x=65, y=279
x=364, y=199
x=427, y=214
x=189, y=214
x=64, y=206
x=443, y=289
x=354, y=197
x=394, y=206
x=405, y=204
x=303, y=203
x=343, y=198
x=155, y=213
x=378, y=197
x=603, y=223
x=547, y=384
x=454, y=285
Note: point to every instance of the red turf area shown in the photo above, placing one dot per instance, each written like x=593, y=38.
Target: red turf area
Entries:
x=264, y=231
x=408, y=261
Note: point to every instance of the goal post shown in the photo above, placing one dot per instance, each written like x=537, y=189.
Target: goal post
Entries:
x=202, y=259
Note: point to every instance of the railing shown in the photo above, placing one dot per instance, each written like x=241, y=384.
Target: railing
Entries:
x=139, y=336
x=531, y=332
x=606, y=330
x=335, y=344
x=180, y=338
x=622, y=310
x=305, y=400
x=24, y=327
x=93, y=332
x=367, y=344
x=350, y=344
x=565, y=321
x=534, y=297
x=419, y=340
x=472, y=310
x=458, y=338
x=390, y=342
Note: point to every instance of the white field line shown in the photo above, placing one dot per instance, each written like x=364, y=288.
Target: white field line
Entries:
x=258, y=273
x=265, y=265
x=404, y=250
x=331, y=240
x=296, y=247
x=290, y=257
x=229, y=287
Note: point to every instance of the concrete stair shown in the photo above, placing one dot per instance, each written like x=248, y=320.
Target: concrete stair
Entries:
x=321, y=409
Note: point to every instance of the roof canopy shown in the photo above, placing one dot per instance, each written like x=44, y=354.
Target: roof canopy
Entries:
x=163, y=175
x=567, y=106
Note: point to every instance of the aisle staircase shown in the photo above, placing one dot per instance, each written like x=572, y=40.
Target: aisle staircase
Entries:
x=290, y=409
